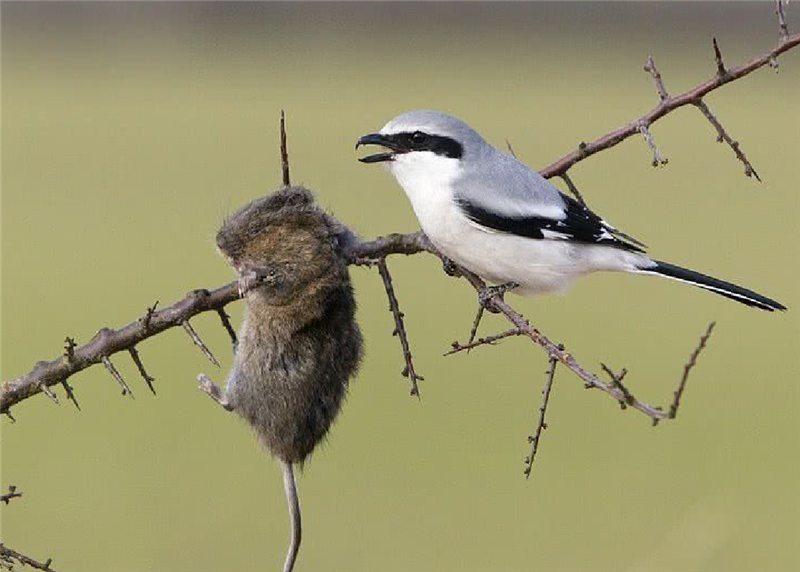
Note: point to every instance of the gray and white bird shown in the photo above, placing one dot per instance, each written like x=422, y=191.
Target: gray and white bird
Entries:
x=492, y=214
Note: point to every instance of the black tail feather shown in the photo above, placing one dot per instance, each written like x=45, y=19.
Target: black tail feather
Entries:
x=712, y=284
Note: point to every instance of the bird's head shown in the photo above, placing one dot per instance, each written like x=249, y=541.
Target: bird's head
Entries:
x=422, y=140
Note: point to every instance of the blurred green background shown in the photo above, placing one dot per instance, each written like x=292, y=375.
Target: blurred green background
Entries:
x=130, y=130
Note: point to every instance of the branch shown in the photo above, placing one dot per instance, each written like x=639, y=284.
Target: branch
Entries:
x=8, y=556
x=673, y=409
x=558, y=351
x=722, y=135
x=668, y=105
x=11, y=494
x=541, y=425
x=108, y=342
x=399, y=326
x=783, y=29
x=487, y=341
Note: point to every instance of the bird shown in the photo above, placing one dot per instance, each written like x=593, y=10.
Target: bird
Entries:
x=488, y=212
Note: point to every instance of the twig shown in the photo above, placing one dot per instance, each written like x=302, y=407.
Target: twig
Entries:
x=573, y=189
x=199, y=343
x=722, y=73
x=650, y=67
x=783, y=29
x=673, y=409
x=510, y=149
x=226, y=323
x=8, y=556
x=140, y=366
x=651, y=142
x=722, y=135
x=488, y=340
x=665, y=107
x=49, y=393
x=116, y=375
x=617, y=380
x=284, y=152
x=70, y=394
x=475, y=325
x=541, y=425
x=11, y=494
x=399, y=327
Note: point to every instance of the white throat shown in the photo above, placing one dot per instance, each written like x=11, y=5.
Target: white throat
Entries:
x=427, y=179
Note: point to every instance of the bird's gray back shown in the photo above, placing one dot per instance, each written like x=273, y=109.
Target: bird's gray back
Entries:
x=500, y=183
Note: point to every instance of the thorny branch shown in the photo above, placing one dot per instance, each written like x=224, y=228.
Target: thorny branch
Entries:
x=542, y=424
x=669, y=105
x=722, y=135
x=8, y=559
x=399, y=325
x=108, y=342
x=673, y=409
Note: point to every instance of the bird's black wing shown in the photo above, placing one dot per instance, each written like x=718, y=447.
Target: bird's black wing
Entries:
x=579, y=224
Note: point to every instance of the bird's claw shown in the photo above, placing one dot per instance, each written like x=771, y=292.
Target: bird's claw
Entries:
x=450, y=268
x=486, y=295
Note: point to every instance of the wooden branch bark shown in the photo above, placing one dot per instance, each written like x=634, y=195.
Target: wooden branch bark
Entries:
x=668, y=105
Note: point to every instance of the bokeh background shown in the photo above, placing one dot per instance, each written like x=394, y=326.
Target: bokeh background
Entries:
x=130, y=130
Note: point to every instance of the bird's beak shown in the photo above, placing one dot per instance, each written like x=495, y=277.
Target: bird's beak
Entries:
x=383, y=141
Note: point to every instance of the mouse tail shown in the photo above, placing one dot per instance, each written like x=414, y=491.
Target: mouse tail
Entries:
x=290, y=487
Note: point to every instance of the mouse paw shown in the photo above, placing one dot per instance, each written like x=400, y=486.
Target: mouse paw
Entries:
x=213, y=391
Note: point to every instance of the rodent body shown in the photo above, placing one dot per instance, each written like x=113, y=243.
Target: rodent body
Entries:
x=289, y=383
x=299, y=343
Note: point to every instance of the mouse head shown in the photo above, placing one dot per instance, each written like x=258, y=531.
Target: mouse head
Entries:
x=286, y=238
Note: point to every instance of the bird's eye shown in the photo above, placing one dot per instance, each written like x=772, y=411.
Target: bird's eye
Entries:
x=419, y=138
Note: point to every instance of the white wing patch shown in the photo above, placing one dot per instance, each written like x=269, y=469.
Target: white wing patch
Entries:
x=554, y=235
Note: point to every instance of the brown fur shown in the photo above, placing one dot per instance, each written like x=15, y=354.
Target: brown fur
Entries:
x=299, y=343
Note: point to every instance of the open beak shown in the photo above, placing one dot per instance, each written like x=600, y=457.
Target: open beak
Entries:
x=383, y=141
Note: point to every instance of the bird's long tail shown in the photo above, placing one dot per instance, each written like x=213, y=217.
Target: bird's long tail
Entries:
x=294, y=514
x=712, y=284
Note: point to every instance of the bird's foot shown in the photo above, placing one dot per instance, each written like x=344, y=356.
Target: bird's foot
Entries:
x=450, y=268
x=213, y=391
x=485, y=296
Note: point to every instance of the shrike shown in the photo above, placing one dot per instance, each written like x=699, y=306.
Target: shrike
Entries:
x=494, y=215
